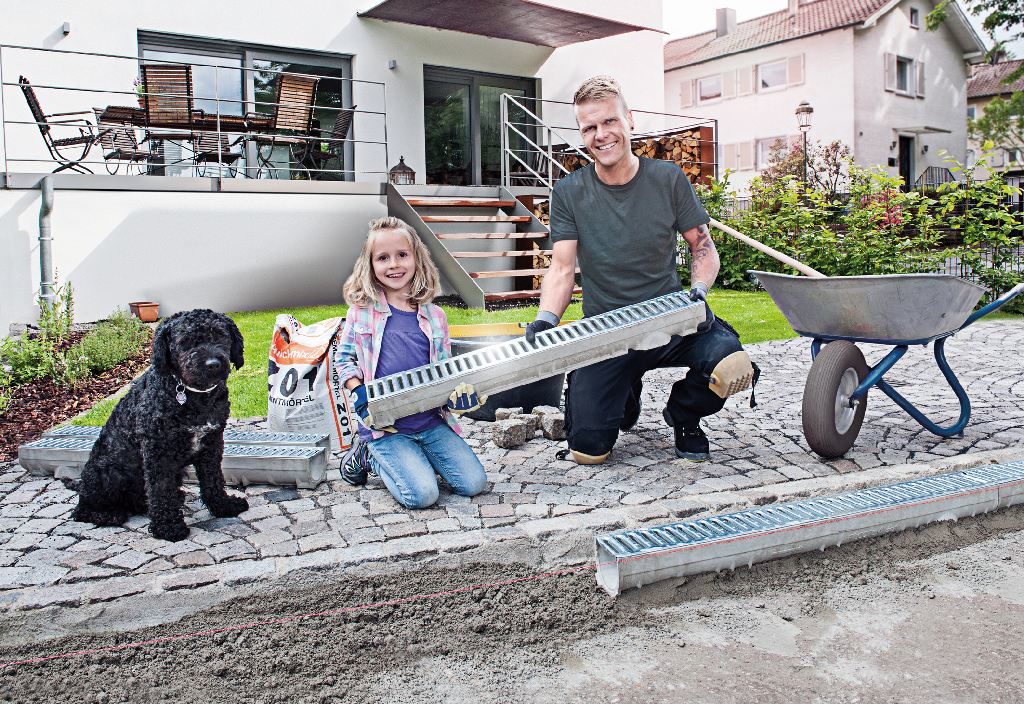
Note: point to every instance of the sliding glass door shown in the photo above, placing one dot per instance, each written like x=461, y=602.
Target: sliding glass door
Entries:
x=462, y=124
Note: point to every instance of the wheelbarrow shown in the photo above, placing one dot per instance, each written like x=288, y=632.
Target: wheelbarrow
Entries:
x=896, y=309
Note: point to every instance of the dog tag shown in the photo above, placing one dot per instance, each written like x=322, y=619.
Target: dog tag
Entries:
x=179, y=395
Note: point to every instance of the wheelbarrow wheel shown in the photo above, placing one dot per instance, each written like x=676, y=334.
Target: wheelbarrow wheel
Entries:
x=830, y=424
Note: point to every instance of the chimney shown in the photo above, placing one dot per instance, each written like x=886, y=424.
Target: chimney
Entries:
x=794, y=5
x=725, y=21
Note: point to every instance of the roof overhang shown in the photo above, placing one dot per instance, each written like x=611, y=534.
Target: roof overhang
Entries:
x=922, y=129
x=972, y=44
x=518, y=20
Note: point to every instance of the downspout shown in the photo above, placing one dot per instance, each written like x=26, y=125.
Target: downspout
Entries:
x=45, y=238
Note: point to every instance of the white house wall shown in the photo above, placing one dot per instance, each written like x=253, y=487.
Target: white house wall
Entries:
x=742, y=120
x=879, y=112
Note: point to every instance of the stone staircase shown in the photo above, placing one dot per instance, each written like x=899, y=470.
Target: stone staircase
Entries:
x=489, y=246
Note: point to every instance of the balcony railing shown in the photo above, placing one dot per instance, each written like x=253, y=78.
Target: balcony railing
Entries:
x=85, y=112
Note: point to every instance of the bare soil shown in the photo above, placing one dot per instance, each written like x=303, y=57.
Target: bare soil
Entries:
x=921, y=616
x=42, y=404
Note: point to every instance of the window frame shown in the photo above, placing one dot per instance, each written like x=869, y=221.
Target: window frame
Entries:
x=721, y=85
x=972, y=112
x=915, y=18
x=785, y=76
x=909, y=63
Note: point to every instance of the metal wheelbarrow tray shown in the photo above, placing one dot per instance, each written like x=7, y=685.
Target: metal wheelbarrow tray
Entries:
x=897, y=309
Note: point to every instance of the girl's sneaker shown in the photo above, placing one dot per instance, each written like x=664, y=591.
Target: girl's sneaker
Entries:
x=355, y=464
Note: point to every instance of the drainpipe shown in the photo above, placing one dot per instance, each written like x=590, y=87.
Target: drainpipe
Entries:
x=45, y=238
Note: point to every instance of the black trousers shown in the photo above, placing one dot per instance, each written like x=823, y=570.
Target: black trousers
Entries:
x=597, y=395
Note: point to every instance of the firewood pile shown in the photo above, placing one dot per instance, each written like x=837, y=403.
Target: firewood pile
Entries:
x=685, y=148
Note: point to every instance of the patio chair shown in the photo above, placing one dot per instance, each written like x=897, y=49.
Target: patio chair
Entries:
x=167, y=100
x=215, y=148
x=333, y=144
x=120, y=145
x=290, y=123
x=86, y=138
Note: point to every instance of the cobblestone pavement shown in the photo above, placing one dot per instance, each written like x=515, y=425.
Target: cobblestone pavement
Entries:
x=48, y=559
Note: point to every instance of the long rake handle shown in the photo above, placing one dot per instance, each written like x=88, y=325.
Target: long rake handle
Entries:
x=773, y=253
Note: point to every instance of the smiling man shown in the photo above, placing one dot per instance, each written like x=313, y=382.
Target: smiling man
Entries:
x=621, y=217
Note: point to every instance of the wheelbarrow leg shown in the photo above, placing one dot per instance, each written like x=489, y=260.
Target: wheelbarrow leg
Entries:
x=954, y=383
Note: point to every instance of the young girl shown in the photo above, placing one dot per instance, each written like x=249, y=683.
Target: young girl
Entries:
x=392, y=326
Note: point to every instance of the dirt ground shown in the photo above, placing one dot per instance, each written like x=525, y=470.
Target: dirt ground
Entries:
x=931, y=615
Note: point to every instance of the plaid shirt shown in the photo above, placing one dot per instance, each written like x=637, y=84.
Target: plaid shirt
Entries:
x=360, y=343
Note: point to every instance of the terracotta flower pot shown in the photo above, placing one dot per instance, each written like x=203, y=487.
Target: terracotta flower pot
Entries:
x=146, y=311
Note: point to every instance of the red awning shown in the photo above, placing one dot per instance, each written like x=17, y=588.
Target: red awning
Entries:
x=519, y=20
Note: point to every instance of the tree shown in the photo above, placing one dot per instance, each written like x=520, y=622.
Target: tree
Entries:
x=999, y=15
x=827, y=165
x=1002, y=122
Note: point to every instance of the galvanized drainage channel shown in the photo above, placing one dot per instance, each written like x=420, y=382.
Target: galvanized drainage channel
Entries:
x=509, y=364
x=303, y=465
x=633, y=558
x=233, y=437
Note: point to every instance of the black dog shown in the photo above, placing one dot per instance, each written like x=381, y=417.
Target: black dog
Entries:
x=173, y=416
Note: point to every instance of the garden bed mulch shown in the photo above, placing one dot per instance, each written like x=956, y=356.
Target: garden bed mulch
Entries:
x=41, y=404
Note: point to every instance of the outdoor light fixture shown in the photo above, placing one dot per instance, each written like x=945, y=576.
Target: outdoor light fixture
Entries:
x=66, y=28
x=400, y=174
x=803, y=119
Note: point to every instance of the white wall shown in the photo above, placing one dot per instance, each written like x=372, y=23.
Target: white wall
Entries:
x=880, y=112
x=827, y=86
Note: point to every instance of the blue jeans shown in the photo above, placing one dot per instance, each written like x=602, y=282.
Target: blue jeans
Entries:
x=407, y=463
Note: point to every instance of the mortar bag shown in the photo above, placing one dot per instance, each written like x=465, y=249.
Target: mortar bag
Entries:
x=304, y=392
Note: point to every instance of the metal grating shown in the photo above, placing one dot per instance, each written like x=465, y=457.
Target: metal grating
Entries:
x=244, y=437
x=635, y=557
x=509, y=364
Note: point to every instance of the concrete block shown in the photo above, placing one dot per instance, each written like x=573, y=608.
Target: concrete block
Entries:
x=553, y=425
x=506, y=413
x=511, y=432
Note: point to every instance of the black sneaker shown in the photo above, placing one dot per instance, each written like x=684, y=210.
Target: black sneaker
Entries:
x=692, y=444
x=355, y=464
x=634, y=403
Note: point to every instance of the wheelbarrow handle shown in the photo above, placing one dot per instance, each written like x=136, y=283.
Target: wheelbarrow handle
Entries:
x=995, y=305
x=773, y=253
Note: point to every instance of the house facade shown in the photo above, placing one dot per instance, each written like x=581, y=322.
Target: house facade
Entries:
x=987, y=82
x=261, y=237
x=875, y=78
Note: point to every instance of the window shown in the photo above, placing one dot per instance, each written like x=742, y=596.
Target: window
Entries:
x=765, y=148
x=709, y=88
x=915, y=18
x=1013, y=155
x=972, y=112
x=904, y=74
x=771, y=76
x=971, y=159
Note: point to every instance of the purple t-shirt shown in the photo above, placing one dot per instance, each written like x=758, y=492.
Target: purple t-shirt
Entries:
x=404, y=346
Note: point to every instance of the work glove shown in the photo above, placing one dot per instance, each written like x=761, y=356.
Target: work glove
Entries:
x=545, y=321
x=357, y=397
x=465, y=399
x=699, y=292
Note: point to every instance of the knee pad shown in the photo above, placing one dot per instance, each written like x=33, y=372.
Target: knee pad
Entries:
x=591, y=446
x=735, y=373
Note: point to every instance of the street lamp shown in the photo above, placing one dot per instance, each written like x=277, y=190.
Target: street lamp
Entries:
x=803, y=118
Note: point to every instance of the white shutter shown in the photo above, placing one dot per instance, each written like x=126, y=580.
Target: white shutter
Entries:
x=920, y=78
x=795, y=70
x=746, y=156
x=890, y=72
x=728, y=85
x=745, y=80
x=728, y=157
x=686, y=93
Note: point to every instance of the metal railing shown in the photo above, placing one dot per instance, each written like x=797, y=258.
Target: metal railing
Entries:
x=233, y=135
x=536, y=149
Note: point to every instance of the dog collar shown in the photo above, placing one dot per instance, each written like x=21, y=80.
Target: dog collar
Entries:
x=181, y=388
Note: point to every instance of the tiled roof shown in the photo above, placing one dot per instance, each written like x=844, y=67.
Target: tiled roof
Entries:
x=988, y=79
x=811, y=18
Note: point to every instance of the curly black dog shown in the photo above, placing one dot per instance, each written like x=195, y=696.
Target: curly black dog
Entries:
x=173, y=416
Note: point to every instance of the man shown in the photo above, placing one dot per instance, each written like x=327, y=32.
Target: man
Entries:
x=620, y=216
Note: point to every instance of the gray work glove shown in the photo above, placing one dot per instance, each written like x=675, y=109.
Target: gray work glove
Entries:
x=699, y=292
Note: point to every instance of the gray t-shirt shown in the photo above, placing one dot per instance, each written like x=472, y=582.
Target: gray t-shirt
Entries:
x=626, y=235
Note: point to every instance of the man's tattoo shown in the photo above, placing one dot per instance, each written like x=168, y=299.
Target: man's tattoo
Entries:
x=702, y=248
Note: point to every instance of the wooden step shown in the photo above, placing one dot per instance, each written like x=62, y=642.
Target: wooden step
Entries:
x=441, y=202
x=512, y=295
x=475, y=218
x=495, y=274
x=516, y=253
x=491, y=235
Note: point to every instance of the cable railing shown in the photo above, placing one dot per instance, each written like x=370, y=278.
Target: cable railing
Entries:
x=72, y=111
x=540, y=141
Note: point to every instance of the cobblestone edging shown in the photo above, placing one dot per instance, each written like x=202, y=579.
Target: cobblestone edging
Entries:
x=47, y=559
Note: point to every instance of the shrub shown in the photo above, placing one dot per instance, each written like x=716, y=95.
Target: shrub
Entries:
x=28, y=358
x=112, y=342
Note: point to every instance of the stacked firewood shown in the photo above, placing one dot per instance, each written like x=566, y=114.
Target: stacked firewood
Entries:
x=693, y=150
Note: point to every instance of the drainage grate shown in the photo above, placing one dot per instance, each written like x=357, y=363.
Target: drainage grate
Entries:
x=304, y=466
x=513, y=363
x=632, y=558
x=237, y=437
